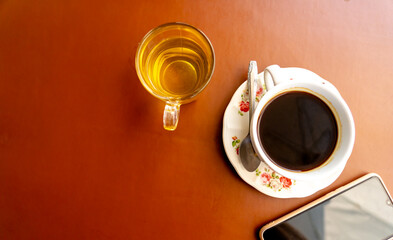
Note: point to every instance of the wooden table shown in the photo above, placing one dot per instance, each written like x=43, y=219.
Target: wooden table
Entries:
x=83, y=154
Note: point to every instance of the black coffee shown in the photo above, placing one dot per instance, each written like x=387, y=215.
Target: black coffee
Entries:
x=298, y=131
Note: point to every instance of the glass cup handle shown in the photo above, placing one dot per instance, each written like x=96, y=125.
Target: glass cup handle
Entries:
x=171, y=116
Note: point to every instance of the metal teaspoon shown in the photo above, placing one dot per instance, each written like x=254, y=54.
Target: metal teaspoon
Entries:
x=248, y=156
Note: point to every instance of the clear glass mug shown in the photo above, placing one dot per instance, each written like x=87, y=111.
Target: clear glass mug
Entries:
x=174, y=62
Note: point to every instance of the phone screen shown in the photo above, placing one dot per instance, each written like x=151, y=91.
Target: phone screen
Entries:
x=364, y=211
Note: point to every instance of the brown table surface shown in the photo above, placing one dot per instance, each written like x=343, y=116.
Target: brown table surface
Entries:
x=83, y=154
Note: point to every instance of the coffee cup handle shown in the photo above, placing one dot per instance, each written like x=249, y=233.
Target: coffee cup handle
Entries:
x=272, y=76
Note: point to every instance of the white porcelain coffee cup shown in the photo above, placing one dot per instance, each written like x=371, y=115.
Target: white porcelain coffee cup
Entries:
x=279, y=81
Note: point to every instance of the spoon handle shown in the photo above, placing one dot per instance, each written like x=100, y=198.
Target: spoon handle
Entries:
x=252, y=76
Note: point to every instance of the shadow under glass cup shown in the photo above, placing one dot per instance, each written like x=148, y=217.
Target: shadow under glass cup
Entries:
x=174, y=62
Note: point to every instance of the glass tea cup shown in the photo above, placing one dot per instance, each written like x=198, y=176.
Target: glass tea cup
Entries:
x=174, y=62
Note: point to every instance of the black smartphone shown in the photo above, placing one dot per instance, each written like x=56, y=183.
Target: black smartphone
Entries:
x=362, y=209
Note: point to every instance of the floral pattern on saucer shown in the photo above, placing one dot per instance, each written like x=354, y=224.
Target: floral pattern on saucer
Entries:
x=264, y=179
x=244, y=104
x=275, y=181
x=269, y=178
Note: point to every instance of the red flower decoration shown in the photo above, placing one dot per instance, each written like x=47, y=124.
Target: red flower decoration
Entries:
x=259, y=92
x=286, y=182
x=265, y=178
x=244, y=106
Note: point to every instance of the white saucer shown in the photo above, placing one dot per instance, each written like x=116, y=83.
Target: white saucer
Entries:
x=264, y=179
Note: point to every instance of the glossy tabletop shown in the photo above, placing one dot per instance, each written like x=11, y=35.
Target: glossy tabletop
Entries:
x=83, y=154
